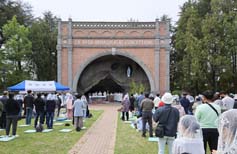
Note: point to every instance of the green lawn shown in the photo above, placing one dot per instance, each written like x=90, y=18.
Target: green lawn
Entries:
x=129, y=141
x=39, y=143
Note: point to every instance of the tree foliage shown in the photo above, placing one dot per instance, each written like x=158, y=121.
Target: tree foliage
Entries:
x=43, y=34
x=17, y=51
x=136, y=88
x=205, y=46
x=10, y=8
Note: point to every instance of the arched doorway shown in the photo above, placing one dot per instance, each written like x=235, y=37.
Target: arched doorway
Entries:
x=111, y=73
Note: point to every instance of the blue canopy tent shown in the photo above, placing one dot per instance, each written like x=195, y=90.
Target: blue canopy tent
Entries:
x=46, y=86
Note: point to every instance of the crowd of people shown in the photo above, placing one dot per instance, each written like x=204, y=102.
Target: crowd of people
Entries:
x=44, y=107
x=189, y=123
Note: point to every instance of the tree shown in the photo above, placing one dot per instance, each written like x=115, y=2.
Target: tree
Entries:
x=10, y=8
x=16, y=52
x=43, y=34
x=205, y=45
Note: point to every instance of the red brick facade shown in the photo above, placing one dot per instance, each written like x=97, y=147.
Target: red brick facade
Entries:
x=147, y=43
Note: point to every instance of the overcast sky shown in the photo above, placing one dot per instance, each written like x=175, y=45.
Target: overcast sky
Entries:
x=108, y=10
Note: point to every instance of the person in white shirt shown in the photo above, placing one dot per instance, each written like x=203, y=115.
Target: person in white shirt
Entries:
x=157, y=101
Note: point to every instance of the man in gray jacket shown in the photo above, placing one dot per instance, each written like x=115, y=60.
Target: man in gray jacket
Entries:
x=78, y=112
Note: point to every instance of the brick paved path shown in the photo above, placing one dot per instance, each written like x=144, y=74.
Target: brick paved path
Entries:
x=100, y=137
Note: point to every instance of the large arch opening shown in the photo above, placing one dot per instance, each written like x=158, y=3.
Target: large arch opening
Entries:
x=111, y=73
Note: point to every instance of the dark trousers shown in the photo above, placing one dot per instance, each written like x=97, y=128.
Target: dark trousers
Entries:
x=28, y=115
x=44, y=116
x=147, y=117
x=3, y=120
x=39, y=114
x=49, y=119
x=59, y=108
x=127, y=116
x=210, y=136
x=11, y=120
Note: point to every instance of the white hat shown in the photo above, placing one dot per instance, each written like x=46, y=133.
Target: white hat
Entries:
x=167, y=98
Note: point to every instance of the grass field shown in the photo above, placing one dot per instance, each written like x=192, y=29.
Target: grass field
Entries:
x=53, y=142
x=129, y=141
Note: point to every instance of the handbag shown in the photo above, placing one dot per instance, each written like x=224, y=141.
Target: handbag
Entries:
x=160, y=128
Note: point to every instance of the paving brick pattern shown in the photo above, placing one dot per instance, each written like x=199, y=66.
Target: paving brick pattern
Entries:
x=100, y=137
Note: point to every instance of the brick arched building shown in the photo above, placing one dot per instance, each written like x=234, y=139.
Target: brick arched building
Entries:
x=92, y=54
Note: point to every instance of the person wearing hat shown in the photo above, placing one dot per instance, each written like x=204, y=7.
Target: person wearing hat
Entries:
x=167, y=116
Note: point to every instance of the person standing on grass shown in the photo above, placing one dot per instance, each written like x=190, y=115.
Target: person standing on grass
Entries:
x=39, y=107
x=184, y=101
x=227, y=128
x=50, y=108
x=207, y=115
x=3, y=117
x=189, y=138
x=146, y=107
x=78, y=107
x=125, y=110
x=12, y=111
x=169, y=117
x=69, y=103
x=1, y=108
x=83, y=98
x=28, y=103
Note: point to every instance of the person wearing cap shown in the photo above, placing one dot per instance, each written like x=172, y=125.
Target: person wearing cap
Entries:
x=169, y=117
x=207, y=115
x=146, y=107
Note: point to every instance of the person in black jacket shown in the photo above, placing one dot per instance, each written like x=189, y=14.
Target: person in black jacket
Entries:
x=169, y=117
x=185, y=102
x=50, y=108
x=28, y=102
x=12, y=111
x=3, y=117
x=39, y=107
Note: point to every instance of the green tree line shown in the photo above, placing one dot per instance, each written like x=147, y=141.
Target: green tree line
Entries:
x=203, y=53
x=28, y=44
x=204, y=45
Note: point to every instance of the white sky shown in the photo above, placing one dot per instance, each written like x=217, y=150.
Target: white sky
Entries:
x=108, y=10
